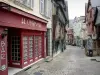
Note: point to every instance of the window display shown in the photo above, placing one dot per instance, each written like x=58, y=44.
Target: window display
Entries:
x=38, y=46
x=25, y=48
x=31, y=47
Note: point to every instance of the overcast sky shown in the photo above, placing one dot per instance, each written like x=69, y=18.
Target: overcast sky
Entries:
x=76, y=8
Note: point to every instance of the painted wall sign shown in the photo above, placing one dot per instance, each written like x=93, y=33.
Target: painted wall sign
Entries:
x=3, y=67
x=3, y=52
x=2, y=55
x=31, y=22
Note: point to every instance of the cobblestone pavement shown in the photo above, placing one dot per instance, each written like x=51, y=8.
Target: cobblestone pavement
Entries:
x=71, y=62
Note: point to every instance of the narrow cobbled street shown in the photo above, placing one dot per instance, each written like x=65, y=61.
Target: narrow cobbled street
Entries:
x=71, y=62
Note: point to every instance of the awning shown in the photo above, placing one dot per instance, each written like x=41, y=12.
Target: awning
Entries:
x=97, y=21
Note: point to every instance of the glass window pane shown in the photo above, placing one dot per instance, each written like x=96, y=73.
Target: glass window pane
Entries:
x=15, y=47
x=25, y=48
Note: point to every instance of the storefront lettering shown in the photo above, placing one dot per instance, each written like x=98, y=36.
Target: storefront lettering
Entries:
x=3, y=67
x=2, y=56
x=30, y=22
x=3, y=52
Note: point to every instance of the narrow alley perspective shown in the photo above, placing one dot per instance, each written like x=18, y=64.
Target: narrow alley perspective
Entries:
x=49, y=37
x=71, y=62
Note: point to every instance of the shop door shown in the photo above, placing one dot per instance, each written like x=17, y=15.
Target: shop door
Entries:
x=3, y=54
x=15, y=50
x=37, y=47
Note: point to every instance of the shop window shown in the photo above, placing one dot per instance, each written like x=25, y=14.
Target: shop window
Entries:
x=15, y=40
x=37, y=46
x=29, y=51
x=46, y=8
x=40, y=46
x=31, y=47
x=25, y=48
x=28, y=3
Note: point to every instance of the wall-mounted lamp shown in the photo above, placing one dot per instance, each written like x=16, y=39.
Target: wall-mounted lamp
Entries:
x=4, y=33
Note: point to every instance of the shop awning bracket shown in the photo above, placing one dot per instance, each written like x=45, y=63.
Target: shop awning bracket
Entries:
x=4, y=6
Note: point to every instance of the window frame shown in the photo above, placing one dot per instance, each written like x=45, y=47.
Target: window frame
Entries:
x=47, y=9
x=42, y=10
x=26, y=3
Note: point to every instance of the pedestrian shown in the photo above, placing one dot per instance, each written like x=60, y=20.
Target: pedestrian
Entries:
x=90, y=46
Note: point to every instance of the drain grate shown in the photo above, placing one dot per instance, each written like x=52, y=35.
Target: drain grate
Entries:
x=93, y=60
x=41, y=71
x=27, y=68
x=97, y=60
x=38, y=73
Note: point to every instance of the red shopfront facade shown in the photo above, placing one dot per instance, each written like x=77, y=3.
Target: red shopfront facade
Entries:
x=22, y=38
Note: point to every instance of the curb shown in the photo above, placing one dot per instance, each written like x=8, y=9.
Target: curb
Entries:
x=28, y=70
